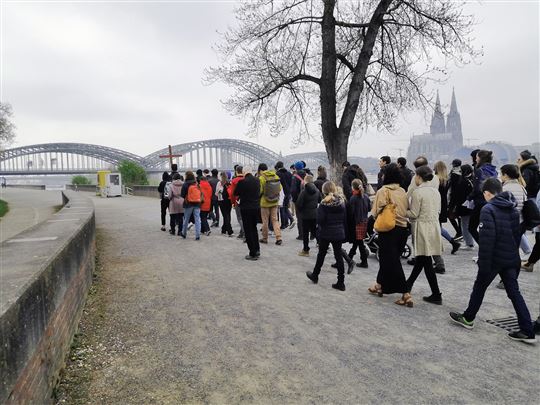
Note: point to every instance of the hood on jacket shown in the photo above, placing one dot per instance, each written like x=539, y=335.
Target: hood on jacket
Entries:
x=165, y=176
x=311, y=188
x=489, y=169
x=282, y=170
x=392, y=186
x=332, y=200
x=504, y=200
x=177, y=182
x=269, y=174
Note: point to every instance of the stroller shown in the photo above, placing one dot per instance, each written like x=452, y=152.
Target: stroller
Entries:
x=371, y=241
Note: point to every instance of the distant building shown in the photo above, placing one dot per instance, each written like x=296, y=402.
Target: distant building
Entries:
x=443, y=139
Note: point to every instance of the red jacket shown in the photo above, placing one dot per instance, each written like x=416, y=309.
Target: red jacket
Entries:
x=232, y=196
x=206, y=189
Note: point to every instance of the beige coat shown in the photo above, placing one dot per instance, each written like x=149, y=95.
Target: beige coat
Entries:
x=424, y=211
x=398, y=197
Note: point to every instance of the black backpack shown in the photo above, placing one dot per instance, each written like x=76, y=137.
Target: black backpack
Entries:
x=531, y=214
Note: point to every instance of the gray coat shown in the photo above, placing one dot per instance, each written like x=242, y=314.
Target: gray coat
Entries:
x=424, y=211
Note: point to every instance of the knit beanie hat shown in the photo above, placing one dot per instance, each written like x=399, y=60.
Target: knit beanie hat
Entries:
x=299, y=165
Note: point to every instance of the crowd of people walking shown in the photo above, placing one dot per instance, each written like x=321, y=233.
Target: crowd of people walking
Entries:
x=484, y=207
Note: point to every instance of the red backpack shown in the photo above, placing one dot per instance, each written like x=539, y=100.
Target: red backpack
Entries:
x=194, y=195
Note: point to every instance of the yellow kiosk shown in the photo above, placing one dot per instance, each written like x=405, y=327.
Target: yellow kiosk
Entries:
x=109, y=184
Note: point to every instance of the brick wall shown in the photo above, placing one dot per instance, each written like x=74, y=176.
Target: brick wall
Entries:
x=37, y=329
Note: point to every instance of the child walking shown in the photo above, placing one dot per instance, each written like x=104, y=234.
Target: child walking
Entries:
x=360, y=206
x=498, y=254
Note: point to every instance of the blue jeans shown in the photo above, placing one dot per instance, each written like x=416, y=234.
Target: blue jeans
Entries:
x=196, y=211
x=467, y=237
x=446, y=235
x=509, y=279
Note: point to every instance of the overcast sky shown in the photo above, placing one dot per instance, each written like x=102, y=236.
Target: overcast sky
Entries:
x=129, y=75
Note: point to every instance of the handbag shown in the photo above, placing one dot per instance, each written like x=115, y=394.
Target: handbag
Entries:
x=386, y=220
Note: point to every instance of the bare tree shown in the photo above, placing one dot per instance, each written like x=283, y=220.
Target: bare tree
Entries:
x=341, y=64
x=7, y=128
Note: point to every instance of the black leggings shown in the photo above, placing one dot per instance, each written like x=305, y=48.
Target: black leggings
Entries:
x=424, y=263
x=164, y=207
x=359, y=244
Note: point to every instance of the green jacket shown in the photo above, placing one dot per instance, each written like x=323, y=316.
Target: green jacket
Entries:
x=268, y=175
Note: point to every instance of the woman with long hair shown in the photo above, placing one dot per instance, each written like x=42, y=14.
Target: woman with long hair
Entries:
x=331, y=219
x=224, y=202
x=390, y=278
x=441, y=172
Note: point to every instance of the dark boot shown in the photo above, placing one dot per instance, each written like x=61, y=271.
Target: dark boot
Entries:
x=313, y=277
x=434, y=299
x=339, y=286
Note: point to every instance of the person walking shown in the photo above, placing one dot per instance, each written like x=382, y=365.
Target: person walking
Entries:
x=528, y=265
x=442, y=173
x=498, y=254
x=296, y=187
x=459, y=197
x=483, y=171
x=176, y=204
x=331, y=218
x=213, y=180
x=165, y=180
x=206, y=205
x=349, y=174
x=528, y=165
x=193, y=197
x=383, y=162
x=248, y=192
x=224, y=202
x=270, y=189
x=455, y=178
x=424, y=210
x=359, y=206
x=238, y=177
x=406, y=173
x=306, y=204
x=322, y=177
x=390, y=278
x=285, y=177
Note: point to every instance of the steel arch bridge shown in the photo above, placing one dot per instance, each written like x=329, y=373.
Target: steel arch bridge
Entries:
x=219, y=153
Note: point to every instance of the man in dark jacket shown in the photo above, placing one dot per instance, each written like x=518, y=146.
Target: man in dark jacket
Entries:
x=498, y=253
x=406, y=173
x=213, y=180
x=349, y=174
x=248, y=192
x=296, y=187
x=306, y=204
x=285, y=178
x=383, y=162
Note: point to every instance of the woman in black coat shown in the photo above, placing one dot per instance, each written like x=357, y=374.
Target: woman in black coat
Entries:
x=331, y=218
x=306, y=205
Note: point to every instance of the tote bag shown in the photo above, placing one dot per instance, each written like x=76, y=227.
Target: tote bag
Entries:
x=386, y=220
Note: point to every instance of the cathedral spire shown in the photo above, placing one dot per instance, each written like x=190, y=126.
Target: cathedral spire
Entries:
x=453, y=121
x=437, y=121
x=453, y=104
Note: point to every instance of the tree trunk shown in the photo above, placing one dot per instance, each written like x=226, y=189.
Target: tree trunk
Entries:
x=328, y=90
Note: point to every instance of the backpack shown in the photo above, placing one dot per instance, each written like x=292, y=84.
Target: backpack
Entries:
x=167, y=190
x=531, y=214
x=272, y=187
x=194, y=195
x=534, y=183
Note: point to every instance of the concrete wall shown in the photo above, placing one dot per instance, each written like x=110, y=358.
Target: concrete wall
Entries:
x=30, y=186
x=146, y=191
x=46, y=273
x=82, y=187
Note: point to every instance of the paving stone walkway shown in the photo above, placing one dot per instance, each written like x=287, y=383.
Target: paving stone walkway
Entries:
x=193, y=322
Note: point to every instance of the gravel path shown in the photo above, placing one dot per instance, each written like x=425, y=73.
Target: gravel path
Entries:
x=180, y=321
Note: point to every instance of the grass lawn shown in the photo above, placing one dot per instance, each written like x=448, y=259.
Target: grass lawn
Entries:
x=3, y=208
